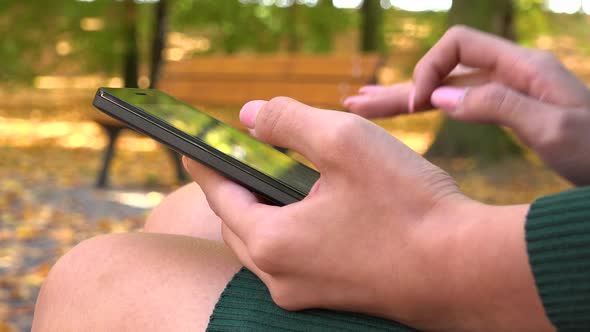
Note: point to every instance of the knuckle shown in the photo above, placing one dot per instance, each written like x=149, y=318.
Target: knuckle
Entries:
x=554, y=135
x=281, y=103
x=457, y=31
x=267, y=250
x=340, y=134
x=494, y=95
x=273, y=116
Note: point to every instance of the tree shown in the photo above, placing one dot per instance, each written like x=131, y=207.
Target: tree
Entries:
x=158, y=41
x=131, y=56
x=483, y=142
x=371, y=26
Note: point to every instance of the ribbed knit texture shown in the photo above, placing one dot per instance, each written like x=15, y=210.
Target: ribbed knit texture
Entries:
x=246, y=305
x=558, y=241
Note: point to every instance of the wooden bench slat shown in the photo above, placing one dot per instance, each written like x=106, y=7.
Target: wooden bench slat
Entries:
x=231, y=81
x=359, y=67
x=223, y=93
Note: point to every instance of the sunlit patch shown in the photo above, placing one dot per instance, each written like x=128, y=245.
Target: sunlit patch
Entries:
x=180, y=44
x=63, y=47
x=91, y=24
x=564, y=6
x=90, y=82
x=347, y=3
x=67, y=134
x=419, y=142
x=422, y=5
x=135, y=199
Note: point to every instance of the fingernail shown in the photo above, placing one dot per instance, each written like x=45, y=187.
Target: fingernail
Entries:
x=249, y=112
x=350, y=101
x=447, y=98
x=411, y=100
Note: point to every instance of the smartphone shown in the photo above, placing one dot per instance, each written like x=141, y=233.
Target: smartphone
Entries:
x=255, y=165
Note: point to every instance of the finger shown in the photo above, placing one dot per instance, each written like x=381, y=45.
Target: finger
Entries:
x=371, y=89
x=241, y=251
x=234, y=204
x=375, y=102
x=499, y=104
x=316, y=134
x=462, y=45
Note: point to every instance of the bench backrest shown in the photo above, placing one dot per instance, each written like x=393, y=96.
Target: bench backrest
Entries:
x=321, y=81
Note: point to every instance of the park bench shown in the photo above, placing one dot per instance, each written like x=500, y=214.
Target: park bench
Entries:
x=230, y=81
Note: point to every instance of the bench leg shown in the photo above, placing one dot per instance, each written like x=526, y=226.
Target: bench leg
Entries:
x=176, y=158
x=113, y=133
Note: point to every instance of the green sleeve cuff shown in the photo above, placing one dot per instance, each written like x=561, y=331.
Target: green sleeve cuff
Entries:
x=246, y=305
x=558, y=244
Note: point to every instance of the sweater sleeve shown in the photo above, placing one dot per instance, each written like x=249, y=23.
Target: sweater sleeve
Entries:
x=558, y=244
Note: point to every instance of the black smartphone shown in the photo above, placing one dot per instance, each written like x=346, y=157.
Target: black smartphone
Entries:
x=255, y=165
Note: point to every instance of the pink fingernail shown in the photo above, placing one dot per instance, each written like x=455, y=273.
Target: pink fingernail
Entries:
x=348, y=102
x=411, y=100
x=249, y=112
x=447, y=98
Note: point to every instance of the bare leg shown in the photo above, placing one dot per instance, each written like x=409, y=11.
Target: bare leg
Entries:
x=135, y=282
x=185, y=212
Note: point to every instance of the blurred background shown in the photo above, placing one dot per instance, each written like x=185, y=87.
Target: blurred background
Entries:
x=67, y=173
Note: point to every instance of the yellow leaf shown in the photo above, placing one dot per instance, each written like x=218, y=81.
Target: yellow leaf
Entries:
x=5, y=327
x=26, y=232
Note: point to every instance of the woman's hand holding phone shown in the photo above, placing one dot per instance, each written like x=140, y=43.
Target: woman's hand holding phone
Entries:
x=383, y=231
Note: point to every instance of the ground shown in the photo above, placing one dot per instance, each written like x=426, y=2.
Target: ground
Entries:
x=50, y=154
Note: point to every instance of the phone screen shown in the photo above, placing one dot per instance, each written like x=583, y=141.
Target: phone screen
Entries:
x=225, y=139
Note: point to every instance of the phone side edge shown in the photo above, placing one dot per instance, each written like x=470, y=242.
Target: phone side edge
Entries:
x=181, y=145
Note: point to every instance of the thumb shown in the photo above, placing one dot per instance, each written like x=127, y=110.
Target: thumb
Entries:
x=498, y=104
x=288, y=123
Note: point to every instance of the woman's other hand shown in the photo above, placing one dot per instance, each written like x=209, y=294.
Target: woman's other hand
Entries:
x=526, y=90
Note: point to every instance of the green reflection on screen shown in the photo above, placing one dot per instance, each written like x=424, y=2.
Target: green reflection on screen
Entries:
x=224, y=138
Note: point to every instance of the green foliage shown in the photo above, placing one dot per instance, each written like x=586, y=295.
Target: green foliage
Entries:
x=248, y=25
x=35, y=30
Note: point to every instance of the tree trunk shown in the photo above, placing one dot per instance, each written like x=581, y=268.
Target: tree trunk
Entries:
x=130, y=61
x=158, y=41
x=371, y=26
x=292, y=35
x=482, y=142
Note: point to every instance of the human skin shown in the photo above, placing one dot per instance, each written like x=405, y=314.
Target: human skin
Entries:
x=433, y=259
x=136, y=282
x=383, y=231
x=526, y=90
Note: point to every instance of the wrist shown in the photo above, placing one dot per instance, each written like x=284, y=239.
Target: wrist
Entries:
x=487, y=283
x=450, y=264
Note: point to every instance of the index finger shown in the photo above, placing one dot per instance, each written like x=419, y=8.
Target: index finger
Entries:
x=469, y=47
x=238, y=208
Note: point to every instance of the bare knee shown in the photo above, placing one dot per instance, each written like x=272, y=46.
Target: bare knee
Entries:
x=185, y=212
x=130, y=281
x=67, y=288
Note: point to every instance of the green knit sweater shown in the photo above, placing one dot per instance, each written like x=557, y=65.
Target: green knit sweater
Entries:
x=558, y=242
